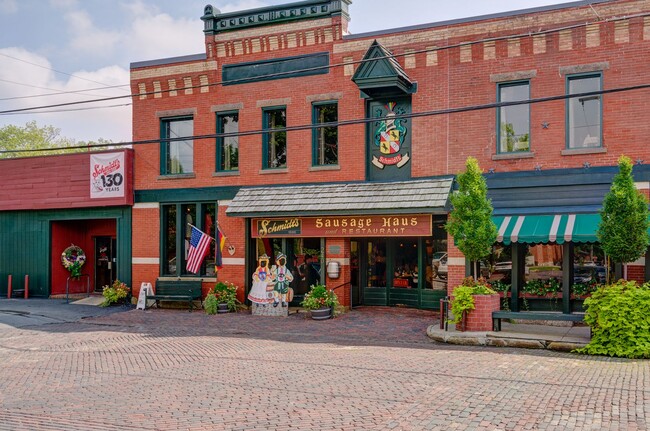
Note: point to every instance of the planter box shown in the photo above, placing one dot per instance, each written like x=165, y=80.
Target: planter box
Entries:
x=480, y=318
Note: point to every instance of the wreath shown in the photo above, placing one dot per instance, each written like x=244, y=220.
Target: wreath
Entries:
x=73, y=258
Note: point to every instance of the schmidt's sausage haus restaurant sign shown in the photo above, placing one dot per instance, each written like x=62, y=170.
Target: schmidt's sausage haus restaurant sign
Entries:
x=357, y=226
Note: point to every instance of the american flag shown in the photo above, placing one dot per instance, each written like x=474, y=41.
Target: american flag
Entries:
x=199, y=243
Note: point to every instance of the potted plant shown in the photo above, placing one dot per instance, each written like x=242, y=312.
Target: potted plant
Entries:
x=225, y=295
x=115, y=293
x=474, y=295
x=321, y=302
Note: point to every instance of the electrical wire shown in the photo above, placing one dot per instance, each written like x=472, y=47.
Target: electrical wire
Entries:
x=58, y=92
x=87, y=108
x=343, y=64
x=447, y=111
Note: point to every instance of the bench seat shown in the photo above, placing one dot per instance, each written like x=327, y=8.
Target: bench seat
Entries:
x=532, y=315
x=178, y=290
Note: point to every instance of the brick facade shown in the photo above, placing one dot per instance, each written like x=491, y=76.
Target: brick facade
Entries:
x=455, y=65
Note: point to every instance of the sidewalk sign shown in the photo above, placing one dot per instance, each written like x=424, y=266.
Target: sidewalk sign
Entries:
x=145, y=289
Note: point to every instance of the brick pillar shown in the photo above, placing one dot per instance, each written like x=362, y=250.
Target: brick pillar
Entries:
x=455, y=264
x=480, y=318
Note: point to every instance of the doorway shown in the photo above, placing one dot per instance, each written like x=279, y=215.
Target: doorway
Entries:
x=105, y=261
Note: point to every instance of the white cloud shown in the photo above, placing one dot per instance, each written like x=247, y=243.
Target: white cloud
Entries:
x=241, y=5
x=85, y=124
x=8, y=6
x=161, y=36
x=87, y=37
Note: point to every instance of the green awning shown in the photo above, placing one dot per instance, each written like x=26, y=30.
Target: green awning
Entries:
x=556, y=228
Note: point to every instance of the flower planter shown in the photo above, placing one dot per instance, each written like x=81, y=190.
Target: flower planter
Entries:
x=480, y=319
x=222, y=308
x=321, y=313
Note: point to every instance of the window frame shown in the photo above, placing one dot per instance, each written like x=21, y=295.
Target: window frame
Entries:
x=164, y=143
x=266, y=136
x=567, y=107
x=315, y=130
x=201, y=208
x=220, y=140
x=501, y=85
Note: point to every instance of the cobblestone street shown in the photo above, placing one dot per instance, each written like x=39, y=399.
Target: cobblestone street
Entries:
x=370, y=369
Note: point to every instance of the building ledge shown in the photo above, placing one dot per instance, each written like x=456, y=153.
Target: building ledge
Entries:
x=578, y=151
x=513, y=156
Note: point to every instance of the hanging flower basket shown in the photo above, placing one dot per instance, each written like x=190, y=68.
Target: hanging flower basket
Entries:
x=72, y=259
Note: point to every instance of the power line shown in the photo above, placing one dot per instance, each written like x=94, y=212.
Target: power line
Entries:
x=49, y=68
x=447, y=111
x=58, y=92
x=331, y=66
x=87, y=108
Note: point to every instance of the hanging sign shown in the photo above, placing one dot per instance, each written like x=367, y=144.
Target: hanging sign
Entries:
x=107, y=175
x=343, y=226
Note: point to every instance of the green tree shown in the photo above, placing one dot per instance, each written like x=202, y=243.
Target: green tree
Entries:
x=623, y=229
x=470, y=221
x=23, y=140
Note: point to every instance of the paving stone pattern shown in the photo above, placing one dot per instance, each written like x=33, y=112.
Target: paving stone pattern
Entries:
x=371, y=369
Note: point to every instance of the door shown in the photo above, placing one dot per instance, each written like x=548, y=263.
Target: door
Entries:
x=355, y=281
x=105, y=261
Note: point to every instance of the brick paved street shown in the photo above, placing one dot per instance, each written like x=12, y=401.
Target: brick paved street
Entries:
x=371, y=369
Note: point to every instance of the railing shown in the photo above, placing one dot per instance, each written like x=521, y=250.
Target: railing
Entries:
x=67, y=287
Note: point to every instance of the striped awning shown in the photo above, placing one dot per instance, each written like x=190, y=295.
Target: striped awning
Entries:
x=556, y=228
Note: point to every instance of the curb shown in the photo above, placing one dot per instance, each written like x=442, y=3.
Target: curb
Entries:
x=487, y=339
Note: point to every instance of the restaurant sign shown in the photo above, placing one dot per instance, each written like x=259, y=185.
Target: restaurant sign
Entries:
x=343, y=226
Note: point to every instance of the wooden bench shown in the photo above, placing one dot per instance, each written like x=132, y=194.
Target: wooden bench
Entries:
x=532, y=315
x=178, y=290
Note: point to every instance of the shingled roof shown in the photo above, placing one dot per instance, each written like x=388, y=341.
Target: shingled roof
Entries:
x=420, y=196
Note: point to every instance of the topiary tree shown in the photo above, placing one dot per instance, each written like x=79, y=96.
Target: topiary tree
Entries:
x=623, y=229
x=470, y=221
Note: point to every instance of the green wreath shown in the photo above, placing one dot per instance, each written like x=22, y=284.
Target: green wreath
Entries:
x=73, y=258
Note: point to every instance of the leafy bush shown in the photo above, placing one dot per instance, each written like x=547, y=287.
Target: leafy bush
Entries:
x=210, y=304
x=320, y=297
x=619, y=317
x=543, y=287
x=117, y=292
x=225, y=293
x=463, y=300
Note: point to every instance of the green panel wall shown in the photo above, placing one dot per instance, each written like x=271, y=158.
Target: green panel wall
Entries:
x=375, y=296
x=430, y=299
x=25, y=244
x=408, y=297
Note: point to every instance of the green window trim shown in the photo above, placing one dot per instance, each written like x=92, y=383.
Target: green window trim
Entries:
x=589, y=101
x=274, y=143
x=227, y=162
x=166, y=164
x=519, y=140
x=321, y=156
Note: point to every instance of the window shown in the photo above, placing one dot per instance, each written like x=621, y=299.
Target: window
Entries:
x=177, y=157
x=514, y=121
x=179, y=218
x=584, y=112
x=275, y=142
x=325, y=139
x=228, y=146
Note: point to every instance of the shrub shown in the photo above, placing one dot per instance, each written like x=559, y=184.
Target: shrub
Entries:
x=117, y=292
x=463, y=300
x=320, y=297
x=210, y=304
x=619, y=317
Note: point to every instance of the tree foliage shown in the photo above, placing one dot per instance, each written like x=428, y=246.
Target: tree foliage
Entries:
x=470, y=221
x=623, y=230
x=22, y=140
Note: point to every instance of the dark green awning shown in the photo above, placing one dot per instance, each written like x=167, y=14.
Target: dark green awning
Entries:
x=556, y=228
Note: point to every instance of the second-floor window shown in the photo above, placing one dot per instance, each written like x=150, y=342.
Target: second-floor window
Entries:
x=275, y=142
x=176, y=156
x=227, y=146
x=513, y=121
x=325, y=139
x=584, y=113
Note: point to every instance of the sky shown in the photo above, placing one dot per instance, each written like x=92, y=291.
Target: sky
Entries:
x=84, y=48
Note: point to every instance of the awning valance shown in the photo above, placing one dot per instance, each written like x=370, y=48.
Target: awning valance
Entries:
x=556, y=228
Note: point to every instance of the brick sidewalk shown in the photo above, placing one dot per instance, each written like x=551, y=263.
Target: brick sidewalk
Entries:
x=370, y=369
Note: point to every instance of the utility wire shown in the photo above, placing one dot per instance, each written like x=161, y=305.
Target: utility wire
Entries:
x=447, y=111
x=86, y=108
x=58, y=92
x=330, y=66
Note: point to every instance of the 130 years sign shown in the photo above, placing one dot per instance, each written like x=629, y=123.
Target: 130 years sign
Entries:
x=107, y=175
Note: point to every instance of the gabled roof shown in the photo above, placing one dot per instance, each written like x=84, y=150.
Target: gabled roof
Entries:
x=381, y=73
x=418, y=196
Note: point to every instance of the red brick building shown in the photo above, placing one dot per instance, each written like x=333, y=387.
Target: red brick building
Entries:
x=295, y=136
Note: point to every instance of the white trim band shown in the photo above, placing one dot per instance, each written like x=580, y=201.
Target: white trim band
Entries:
x=145, y=261
x=146, y=205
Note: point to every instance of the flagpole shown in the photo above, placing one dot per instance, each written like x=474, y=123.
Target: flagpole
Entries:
x=190, y=224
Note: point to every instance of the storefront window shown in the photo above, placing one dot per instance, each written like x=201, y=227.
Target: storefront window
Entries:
x=169, y=217
x=589, y=269
x=210, y=228
x=405, y=264
x=377, y=263
x=543, y=269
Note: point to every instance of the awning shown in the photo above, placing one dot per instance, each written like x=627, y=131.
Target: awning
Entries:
x=556, y=228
